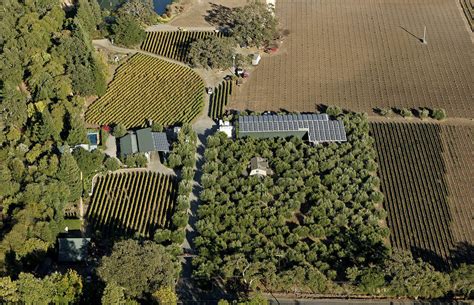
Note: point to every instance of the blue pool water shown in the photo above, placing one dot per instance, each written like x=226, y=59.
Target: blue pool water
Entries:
x=93, y=138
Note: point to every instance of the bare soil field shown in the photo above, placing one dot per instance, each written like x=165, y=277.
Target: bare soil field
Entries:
x=458, y=154
x=363, y=54
x=426, y=177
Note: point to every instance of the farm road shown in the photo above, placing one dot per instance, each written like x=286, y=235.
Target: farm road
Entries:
x=106, y=44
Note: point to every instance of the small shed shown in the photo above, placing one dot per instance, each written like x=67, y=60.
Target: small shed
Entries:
x=226, y=127
x=259, y=167
x=73, y=250
x=256, y=59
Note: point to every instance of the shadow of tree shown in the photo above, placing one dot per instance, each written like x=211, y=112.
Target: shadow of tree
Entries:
x=462, y=252
x=220, y=15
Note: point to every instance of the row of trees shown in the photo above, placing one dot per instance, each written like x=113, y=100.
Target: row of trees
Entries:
x=422, y=113
x=252, y=25
x=182, y=158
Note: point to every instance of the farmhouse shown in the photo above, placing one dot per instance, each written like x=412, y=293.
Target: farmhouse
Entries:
x=144, y=141
x=316, y=128
x=259, y=167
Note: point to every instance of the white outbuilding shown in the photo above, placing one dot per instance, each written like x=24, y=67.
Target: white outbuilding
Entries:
x=226, y=127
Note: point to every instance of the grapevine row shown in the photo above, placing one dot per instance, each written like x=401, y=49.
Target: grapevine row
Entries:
x=174, y=45
x=219, y=99
x=149, y=88
x=132, y=202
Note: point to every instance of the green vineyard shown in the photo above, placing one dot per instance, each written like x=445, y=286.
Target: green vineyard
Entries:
x=174, y=45
x=146, y=88
x=413, y=180
x=219, y=99
x=132, y=202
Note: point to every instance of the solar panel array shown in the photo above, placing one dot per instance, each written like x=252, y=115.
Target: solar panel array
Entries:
x=318, y=126
x=161, y=141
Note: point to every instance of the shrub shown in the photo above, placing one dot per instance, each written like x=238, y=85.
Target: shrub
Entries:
x=385, y=111
x=423, y=113
x=119, y=131
x=334, y=110
x=406, y=113
x=156, y=127
x=438, y=114
x=136, y=160
x=112, y=164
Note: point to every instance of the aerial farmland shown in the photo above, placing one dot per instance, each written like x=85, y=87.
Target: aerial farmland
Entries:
x=237, y=152
x=365, y=55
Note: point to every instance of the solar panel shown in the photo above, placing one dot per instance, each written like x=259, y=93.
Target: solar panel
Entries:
x=320, y=128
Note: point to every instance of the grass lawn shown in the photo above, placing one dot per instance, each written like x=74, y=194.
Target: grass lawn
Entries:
x=71, y=224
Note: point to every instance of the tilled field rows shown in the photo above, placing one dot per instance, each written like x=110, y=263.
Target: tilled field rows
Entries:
x=459, y=156
x=427, y=181
x=364, y=54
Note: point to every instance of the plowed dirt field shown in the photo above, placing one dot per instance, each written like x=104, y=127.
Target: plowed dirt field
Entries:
x=363, y=54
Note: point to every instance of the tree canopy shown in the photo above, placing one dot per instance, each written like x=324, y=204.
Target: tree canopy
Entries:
x=56, y=288
x=140, y=268
x=303, y=226
x=212, y=52
x=127, y=31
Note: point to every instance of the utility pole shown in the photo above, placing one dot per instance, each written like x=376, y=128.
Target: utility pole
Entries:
x=424, y=36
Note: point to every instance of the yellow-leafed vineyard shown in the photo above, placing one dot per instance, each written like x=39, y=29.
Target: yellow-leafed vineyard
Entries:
x=133, y=202
x=146, y=88
x=174, y=45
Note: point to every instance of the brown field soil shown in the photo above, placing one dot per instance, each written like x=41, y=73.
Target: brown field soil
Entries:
x=426, y=176
x=364, y=54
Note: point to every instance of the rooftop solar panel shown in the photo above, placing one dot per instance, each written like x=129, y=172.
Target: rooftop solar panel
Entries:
x=320, y=128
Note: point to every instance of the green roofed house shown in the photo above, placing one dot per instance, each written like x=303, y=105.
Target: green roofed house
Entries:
x=73, y=250
x=144, y=141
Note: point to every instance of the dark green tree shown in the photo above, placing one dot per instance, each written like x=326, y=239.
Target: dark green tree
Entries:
x=70, y=173
x=212, y=52
x=254, y=24
x=140, y=268
x=127, y=31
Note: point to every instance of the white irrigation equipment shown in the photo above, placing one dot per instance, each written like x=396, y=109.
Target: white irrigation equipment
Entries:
x=423, y=40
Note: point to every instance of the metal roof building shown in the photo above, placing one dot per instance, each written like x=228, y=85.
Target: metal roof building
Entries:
x=160, y=142
x=317, y=127
x=144, y=141
x=72, y=249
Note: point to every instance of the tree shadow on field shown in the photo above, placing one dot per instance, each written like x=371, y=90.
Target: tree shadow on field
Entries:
x=462, y=253
x=219, y=15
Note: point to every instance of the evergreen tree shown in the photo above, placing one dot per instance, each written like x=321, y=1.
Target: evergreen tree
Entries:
x=70, y=174
x=127, y=31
